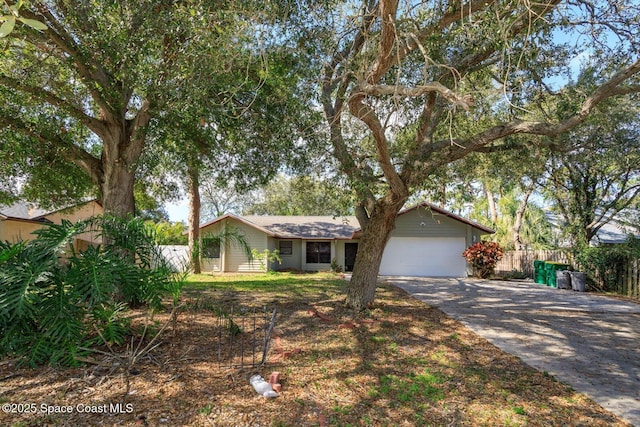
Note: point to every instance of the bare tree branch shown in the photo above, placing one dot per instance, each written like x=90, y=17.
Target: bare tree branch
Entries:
x=465, y=101
x=368, y=116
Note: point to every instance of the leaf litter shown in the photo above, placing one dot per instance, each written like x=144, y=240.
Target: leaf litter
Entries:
x=401, y=363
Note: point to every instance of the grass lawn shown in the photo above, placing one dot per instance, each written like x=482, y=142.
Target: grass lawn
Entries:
x=402, y=363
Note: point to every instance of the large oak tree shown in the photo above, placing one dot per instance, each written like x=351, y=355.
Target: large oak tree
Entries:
x=79, y=98
x=598, y=175
x=400, y=81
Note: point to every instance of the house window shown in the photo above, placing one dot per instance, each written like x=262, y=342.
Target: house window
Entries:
x=285, y=247
x=210, y=248
x=318, y=252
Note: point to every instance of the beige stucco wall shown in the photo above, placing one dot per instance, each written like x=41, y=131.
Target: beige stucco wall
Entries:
x=76, y=214
x=14, y=230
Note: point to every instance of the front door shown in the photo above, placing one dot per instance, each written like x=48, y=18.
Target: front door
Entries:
x=350, y=251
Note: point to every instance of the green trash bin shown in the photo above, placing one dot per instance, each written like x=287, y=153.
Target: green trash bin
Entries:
x=539, y=272
x=551, y=267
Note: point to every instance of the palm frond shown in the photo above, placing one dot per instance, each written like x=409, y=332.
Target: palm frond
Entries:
x=232, y=236
x=94, y=275
x=54, y=299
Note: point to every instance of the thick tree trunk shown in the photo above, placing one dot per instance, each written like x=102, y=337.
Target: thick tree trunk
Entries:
x=194, y=218
x=117, y=189
x=116, y=185
x=122, y=145
x=375, y=235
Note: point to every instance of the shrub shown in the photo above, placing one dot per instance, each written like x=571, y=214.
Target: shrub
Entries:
x=483, y=256
x=605, y=264
x=335, y=266
x=515, y=274
x=54, y=300
x=266, y=258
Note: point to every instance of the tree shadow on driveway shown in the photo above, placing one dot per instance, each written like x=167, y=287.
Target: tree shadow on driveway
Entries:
x=588, y=341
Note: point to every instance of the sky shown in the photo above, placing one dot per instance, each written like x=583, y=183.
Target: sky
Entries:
x=178, y=211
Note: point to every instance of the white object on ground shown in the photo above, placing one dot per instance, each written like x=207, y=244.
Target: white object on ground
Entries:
x=262, y=387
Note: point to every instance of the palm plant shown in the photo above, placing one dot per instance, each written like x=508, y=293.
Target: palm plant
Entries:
x=53, y=299
x=226, y=236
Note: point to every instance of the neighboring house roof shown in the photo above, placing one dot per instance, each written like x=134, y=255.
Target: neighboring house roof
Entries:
x=324, y=227
x=614, y=232
x=24, y=211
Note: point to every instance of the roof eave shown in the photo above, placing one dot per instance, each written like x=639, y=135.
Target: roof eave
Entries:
x=239, y=219
x=427, y=205
x=37, y=220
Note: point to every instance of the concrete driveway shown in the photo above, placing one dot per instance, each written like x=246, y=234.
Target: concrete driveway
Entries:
x=588, y=341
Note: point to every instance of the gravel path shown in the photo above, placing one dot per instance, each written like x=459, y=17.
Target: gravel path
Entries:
x=588, y=341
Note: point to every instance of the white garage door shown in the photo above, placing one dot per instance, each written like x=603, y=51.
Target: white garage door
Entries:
x=428, y=257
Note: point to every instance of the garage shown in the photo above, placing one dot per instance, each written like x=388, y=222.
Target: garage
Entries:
x=427, y=257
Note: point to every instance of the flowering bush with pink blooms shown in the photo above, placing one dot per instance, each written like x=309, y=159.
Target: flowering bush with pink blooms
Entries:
x=483, y=256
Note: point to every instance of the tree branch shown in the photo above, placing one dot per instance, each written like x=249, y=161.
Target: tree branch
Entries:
x=339, y=82
x=90, y=73
x=389, y=58
x=523, y=23
x=367, y=115
x=598, y=223
x=465, y=101
x=625, y=90
x=388, y=37
x=138, y=130
x=334, y=88
x=70, y=151
x=44, y=95
x=456, y=149
x=606, y=90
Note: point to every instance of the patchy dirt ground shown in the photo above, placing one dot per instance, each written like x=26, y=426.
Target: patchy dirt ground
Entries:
x=403, y=363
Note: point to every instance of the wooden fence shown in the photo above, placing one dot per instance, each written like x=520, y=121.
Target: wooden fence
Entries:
x=622, y=278
x=523, y=260
x=631, y=283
